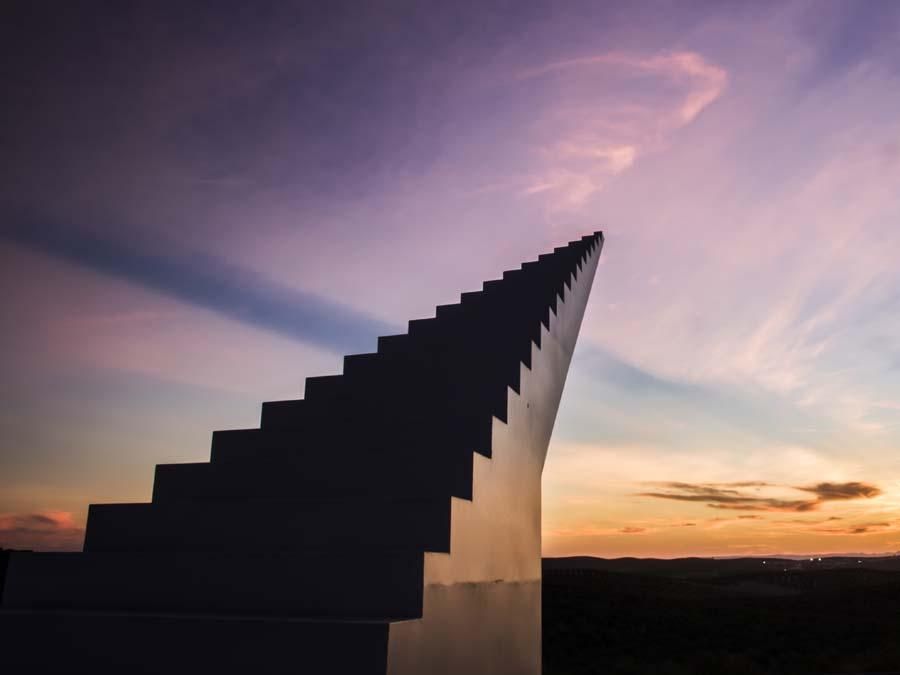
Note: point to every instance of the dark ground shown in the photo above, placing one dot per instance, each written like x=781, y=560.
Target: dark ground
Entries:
x=699, y=616
x=710, y=617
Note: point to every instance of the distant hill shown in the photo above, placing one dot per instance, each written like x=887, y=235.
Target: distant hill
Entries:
x=722, y=617
x=704, y=567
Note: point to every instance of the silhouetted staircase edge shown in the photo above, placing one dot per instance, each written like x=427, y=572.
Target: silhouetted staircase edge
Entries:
x=402, y=496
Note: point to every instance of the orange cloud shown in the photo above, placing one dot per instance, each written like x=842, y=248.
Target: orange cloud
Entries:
x=833, y=491
x=726, y=496
x=45, y=530
x=864, y=528
x=633, y=530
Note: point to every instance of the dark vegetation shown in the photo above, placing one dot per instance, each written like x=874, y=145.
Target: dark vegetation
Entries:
x=703, y=616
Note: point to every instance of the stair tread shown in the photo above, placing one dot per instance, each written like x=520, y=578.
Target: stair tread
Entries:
x=287, y=526
x=232, y=582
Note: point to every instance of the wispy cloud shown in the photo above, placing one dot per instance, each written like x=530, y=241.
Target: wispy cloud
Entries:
x=597, y=132
x=704, y=81
x=837, y=491
x=863, y=528
x=726, y=496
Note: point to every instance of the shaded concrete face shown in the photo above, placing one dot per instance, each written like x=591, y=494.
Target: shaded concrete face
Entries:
x=387, y=522
x=486, y=593
x=140, y=643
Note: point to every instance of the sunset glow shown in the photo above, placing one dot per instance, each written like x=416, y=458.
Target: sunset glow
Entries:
x=200, y=222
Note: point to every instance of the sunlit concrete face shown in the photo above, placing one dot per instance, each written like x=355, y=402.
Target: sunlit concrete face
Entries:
x=486, y=593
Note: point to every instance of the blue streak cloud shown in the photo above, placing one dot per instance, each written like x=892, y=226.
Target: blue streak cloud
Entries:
x=625, y=376
x=609, y=398
x=850, y=34
x=209, y=283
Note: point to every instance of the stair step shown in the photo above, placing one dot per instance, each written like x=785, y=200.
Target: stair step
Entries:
x=290, y=414
x=401, y=473
x=510, y=275
x=358, y=365
x=323, y=387
x=373, y=584
x=396, y=401
x=248, y=444
x=472, y=297
x=279, y=526
x=423, y=327
x=392, y=344
x=449, y=312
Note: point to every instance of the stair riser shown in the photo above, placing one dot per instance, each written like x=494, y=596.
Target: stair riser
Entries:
x=352, y=526
x=284, y=414
x=357, y=427
x=308, y=481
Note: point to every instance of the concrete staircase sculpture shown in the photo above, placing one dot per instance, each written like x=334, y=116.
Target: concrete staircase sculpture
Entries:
x=388, y=522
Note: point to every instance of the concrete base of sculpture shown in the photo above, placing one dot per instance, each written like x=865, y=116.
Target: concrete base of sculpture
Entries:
x=435, y=580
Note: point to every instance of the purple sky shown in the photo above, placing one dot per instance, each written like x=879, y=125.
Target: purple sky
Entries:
x=203, y=206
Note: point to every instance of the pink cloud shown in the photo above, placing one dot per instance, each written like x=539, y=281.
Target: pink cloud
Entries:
x=593, y=133
x=43, y=530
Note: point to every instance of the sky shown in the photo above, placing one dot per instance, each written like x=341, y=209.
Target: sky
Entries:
x=204, y=204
